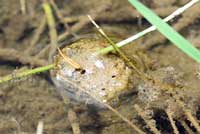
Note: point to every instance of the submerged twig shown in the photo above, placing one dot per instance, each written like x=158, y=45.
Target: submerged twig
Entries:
x=192, y=119
x=76, y=27
x=69, y=60
x=189, y=115
x=40, y=127
x=36, y=36
x=82, y=22
x=23, y=6
x=186, y=127
x=74, y=122
x=58, y=13
x=16, y=56
x=61, y=18
x=172, y=122
x=17, y=125
x=52, y=28
x=145, y=118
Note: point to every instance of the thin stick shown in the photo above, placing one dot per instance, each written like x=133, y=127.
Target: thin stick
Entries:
x=23, y=6
x=61, y=18
x=76, y=27
x=192, y=120
x=105, y=104
x=143, y=115
x=16, y=56
x=58, y=13
x=52, y=32
x=36, y=36
x=186, y=127
x=169, y=114
x=150, y=29
x=18, y=125
x=40, y=127
x=72, y=117
x=69, y=60
x=189, y=115
x=117, y=49
x=26, y=73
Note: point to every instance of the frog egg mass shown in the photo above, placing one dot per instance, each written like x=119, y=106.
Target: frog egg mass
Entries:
x=105, y=77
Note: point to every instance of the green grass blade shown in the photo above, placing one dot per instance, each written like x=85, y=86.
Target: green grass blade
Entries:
x=26, y=73
x=167, y=31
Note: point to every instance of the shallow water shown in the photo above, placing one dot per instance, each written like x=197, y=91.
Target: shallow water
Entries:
x=27, y=101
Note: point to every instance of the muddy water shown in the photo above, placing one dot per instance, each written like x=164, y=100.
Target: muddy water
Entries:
x=27, y=101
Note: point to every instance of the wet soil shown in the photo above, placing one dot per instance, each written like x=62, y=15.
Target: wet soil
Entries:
x=25, y=102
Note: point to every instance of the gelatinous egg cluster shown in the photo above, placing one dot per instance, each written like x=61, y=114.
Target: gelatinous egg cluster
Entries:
x=104, y=77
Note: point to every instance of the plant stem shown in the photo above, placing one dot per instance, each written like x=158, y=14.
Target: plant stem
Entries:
x=126, y=59
x=177, y=39
x=150, y=29
x=26, y=73
x=52, y=30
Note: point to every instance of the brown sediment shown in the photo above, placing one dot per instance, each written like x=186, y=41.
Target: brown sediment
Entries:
x=78, y=26
x=36, y=36
x=150, y=123
x=16, y=56
x=32, y=99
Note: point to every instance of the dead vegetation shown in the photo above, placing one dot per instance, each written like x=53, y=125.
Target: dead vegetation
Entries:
x=25, y=41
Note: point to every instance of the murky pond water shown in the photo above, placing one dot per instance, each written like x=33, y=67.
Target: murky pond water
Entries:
x=29, y=100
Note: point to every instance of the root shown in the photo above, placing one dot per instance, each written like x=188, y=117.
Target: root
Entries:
x=192, y=119
x=151, y=123
x=169, y=114
x=186, y=127
x=189, y=116
x=76, y=27
x=17, y=125
x=74, y=122
x=36, y=36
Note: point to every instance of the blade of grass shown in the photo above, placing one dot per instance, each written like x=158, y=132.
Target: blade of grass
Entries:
x=167, y=31
x=150, y=29
x=26, y=73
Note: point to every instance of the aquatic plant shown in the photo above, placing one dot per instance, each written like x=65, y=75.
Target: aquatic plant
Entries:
x=176, y=38
x=164, y=28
